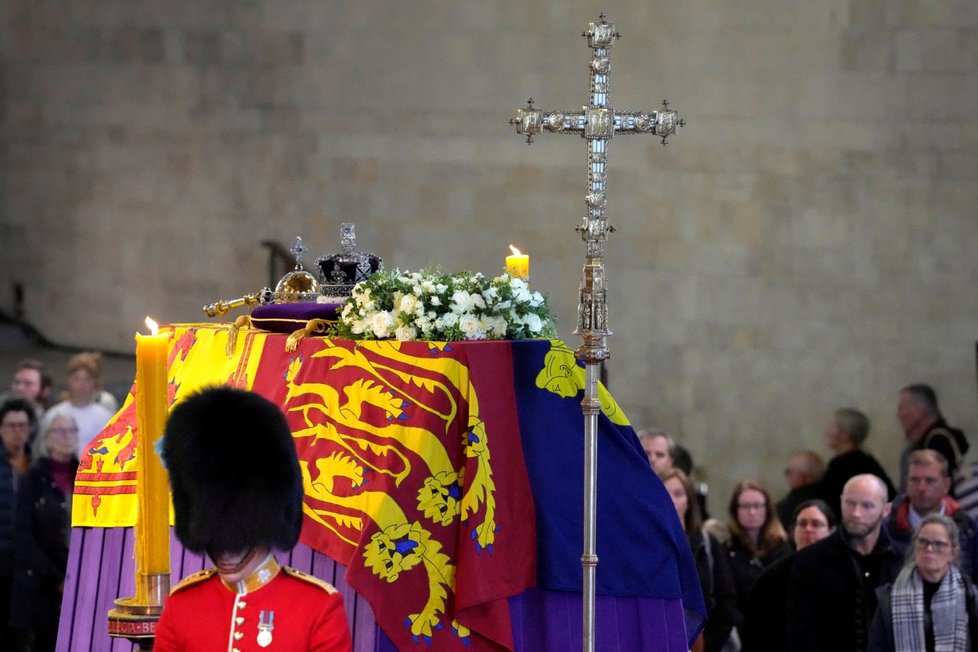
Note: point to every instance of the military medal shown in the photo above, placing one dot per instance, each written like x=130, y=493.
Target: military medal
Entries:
x=265, y=627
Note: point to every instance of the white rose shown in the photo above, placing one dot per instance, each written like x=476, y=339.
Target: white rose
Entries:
x=497, y=326
x=408, y=303
x=461, y=301
x=382, y=323
x=471, y=327
x=404, y=333
x=536, y=299
x=449, y=319
x=534, y=323
x=435, y=301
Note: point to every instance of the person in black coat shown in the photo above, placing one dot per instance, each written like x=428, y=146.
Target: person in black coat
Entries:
x=832, y=588
x=42, y=527
x=757, y=538
x=716, y=580
x=765, y=626
x=845, y=434
x=924, y=426
x=17, y=421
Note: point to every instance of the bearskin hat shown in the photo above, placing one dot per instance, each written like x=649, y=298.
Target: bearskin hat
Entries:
x=233, y=471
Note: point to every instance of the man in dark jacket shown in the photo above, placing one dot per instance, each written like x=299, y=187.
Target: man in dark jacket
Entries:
x=924, y=425
x=832, y=590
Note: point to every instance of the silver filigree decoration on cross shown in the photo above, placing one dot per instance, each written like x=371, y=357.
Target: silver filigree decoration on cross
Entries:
x=597, y=123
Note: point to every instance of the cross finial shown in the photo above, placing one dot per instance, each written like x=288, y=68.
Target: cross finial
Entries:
x=348, y=237
x=297, y=251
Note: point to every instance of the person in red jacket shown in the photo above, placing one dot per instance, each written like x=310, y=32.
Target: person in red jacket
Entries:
x=237, y=495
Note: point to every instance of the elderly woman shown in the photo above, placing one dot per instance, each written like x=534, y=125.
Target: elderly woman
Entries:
x=42, y=528
x=711, y=564
x=931, y=605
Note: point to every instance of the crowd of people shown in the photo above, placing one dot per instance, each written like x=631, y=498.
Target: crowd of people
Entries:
x=846, y=560
x=42, y=443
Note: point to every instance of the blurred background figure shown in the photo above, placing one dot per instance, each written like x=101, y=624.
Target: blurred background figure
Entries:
x=765, y=625
x=757, y=538
x=664, y=453
x=17, y=419
x=924, y=427
x=845, y=434
x=42, y=525
x=84, y=388
x=32, y=382
x=18, y=422
x=659, y=447
x=930, y=605
x=802, y=472
x=715, y=576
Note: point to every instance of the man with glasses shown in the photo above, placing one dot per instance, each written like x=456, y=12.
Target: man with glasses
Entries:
x=832, y=589
x=17, y=421
x=929, y=492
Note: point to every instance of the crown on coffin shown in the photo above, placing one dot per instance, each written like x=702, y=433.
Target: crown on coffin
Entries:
x=339, y=272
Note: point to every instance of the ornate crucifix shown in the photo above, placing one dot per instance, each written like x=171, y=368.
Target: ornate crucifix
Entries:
x=597, y=123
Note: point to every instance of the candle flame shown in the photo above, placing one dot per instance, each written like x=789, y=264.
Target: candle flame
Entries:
x=516, y=252
x=152, y=326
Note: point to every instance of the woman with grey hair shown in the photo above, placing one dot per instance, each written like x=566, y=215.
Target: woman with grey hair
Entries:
x=931, y=605
x=42, y=526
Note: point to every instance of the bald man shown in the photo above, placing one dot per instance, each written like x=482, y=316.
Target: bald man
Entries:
x=832, y=591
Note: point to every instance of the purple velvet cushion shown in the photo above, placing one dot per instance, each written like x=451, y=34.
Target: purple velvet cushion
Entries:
x=290, y=317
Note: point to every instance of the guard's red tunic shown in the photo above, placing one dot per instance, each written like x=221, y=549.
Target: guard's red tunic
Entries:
x=274, y=608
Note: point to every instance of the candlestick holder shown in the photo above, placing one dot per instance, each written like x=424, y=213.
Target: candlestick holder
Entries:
x=135, y=618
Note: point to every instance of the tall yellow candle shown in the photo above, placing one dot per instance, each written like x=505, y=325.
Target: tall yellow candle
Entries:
x=518, y=264
x=152, y=486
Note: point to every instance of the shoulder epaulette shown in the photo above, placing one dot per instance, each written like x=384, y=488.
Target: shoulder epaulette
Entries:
x=312, y=579
x=196, y=578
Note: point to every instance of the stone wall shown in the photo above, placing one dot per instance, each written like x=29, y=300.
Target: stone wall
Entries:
x=806, y=242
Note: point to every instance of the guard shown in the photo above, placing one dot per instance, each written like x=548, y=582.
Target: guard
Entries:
x=237, y=495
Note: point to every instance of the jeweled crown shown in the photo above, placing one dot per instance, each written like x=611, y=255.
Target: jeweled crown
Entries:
x=339, y=272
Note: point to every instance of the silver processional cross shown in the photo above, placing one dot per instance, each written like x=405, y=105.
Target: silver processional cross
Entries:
x=597, y=123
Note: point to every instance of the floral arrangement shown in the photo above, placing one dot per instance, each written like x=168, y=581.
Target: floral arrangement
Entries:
x=429, y=305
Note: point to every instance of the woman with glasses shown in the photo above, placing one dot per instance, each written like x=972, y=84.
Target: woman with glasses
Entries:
x=931, y=605
x=42, y=527
x=757, y=538
x=765, y=624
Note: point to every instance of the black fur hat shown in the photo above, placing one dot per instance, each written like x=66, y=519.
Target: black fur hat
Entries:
x=233, y=471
